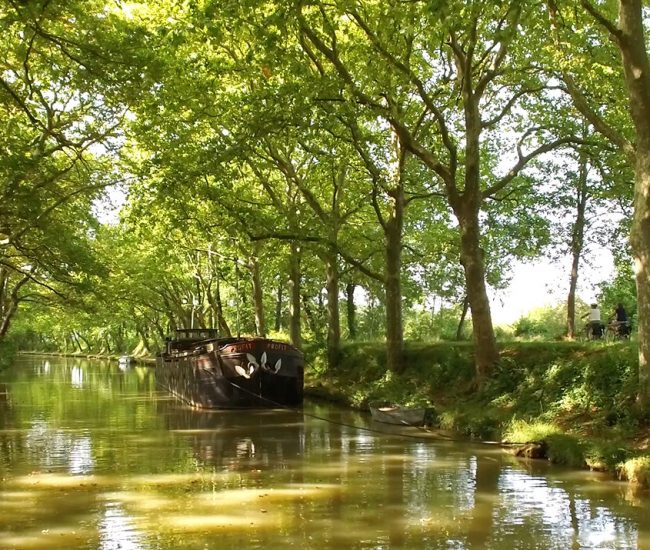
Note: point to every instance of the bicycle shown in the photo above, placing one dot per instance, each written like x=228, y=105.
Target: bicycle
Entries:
x=593, y=331
x=618, y=330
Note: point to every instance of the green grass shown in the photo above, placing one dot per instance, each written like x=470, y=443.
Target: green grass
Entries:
x=561, y=448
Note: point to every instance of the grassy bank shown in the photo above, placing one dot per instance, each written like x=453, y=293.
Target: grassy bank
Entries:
x=572, y=403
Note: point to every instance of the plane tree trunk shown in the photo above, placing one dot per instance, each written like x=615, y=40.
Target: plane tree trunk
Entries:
x=294, y=296
x=631, y=41
x=577, y=243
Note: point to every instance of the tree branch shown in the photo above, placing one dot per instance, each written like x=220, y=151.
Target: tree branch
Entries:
x=522, y=162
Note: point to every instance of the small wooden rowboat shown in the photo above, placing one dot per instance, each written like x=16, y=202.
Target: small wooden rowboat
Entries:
x=392, y=413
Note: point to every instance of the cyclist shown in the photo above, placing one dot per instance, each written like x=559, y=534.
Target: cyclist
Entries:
x=619, y=322
x=595, y=325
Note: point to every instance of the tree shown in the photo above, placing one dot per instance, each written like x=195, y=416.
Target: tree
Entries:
x=628, y=36
x=57, y=121
x=586, y=197
x=450, y=88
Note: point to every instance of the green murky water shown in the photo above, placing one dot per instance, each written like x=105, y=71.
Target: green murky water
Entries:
x=92, y=456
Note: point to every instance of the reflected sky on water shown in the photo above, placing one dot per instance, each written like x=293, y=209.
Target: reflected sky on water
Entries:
x=94, y=456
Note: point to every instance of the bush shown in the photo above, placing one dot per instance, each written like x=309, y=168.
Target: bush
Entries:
x=636, y=470
x=561, y=448
x=547, y=323
x=566, y=449
x=521, y=431
x=607, y=455
x=424, y=326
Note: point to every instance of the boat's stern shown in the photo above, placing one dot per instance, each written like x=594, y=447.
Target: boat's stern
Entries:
x=269, y=371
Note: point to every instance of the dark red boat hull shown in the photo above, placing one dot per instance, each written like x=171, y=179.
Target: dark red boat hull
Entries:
x=234, y=374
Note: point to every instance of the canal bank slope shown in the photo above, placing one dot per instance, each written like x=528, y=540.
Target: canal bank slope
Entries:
x=572, y=403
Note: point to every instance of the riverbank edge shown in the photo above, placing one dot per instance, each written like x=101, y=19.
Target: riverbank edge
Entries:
x=571, y=403
x=144, y=360
x=572, y=440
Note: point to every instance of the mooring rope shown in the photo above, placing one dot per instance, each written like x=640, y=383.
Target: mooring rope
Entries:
x=347, y=425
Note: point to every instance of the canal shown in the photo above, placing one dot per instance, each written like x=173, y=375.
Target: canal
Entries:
x=96, y=457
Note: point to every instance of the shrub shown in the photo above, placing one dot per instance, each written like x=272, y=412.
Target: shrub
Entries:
x=521, y=431
x=546, y=322
x=442, y=325
x=607, y=455
x=566, y=449
x=8, y=352
x=636, y=470
x=561, y=448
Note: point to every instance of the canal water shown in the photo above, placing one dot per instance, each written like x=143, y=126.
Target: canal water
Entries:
x=95, y=457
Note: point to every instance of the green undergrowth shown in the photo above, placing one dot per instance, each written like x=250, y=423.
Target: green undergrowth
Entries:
x=578, y=398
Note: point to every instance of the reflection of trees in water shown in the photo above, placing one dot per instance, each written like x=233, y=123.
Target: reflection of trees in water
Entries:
x=44, y=400
x=395, y=492
x=480, y=501
x=486, y=477
x=4, y=403
x=238, y=440
x=395, y=497
x=535, y=507
x=10, y=440
x=64, y=387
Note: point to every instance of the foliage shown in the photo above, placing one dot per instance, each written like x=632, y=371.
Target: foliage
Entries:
x=8, y=351
x=546, y=323
x=608, y=454
x=362, y=365
x=257, y=136
x=57, y=140
x=621, y=289
x=421, y=325
x=636, y=470
x=521, y=431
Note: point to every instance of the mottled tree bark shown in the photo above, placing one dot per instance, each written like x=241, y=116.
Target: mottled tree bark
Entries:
x=629, y=36
x=394, y=330
x=333, y=316
x=351, y=311
x=461, y=321
x=278, y=307
x=631, y=41
x=217, y=306
x=258, y=297
x=9, y=300
x=577, y=244
x=466, y=205
x=76, y=342
x=294, y=290
x=471, y=257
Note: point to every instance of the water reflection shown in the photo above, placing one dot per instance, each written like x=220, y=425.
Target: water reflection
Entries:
x=77, y=377
x=92, y=456
x=528, y=504
x=237, y=440
x=116, y=529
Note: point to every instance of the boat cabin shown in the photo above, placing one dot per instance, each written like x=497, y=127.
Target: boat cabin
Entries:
x=185, y=338
x=196, y=334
